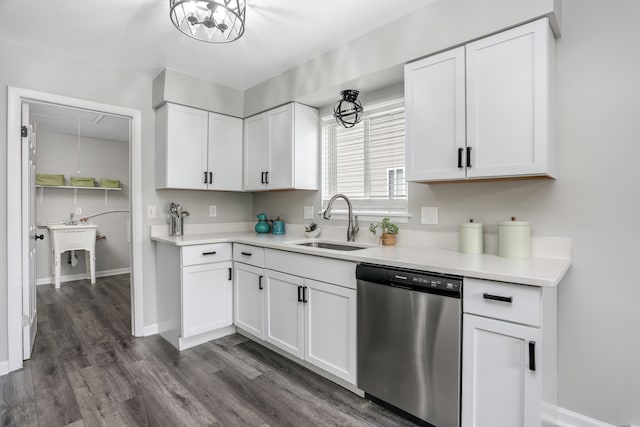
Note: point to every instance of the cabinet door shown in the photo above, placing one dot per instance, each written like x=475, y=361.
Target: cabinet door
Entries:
x=186, y=147
x=207, y=295
x=255, y=152
x=435, y=117
x=498, y=386
x=249, y=299
x=225, y=153
x=330, y=328
x=280, y=126
x=284, y=320
x=507, y=102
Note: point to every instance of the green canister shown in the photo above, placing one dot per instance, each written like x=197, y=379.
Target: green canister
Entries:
x=470, y=237
x=514, y=239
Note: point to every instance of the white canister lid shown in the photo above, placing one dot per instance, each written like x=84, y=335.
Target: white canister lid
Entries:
x=471, y=224
x=513, y=223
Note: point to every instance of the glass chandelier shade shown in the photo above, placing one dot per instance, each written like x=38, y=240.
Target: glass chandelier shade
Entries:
x=348, y=111
x=219, y=21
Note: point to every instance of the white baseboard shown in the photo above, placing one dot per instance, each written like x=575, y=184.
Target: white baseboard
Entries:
x=567, y=418
x=4, y=367
x=82, y=276
x=150, y=330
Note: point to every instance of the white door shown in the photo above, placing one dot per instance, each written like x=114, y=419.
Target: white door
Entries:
x=435, y=117
x=249, y=299
x=284, y=325
x=507, y=102
x=280, y=125
x=29, y=308
x=501, y=383
x=207, y=298
x=225, y=153
x=187, y=141
x=255, y=152
x=330, y=328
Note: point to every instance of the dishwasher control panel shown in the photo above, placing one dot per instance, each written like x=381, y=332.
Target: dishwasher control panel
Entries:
x=416, y=280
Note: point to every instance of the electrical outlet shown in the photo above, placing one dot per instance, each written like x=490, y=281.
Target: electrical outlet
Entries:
x=151, y=211
x=78, y=210
x=428, y=215
x=308, y=212
x=213, y=211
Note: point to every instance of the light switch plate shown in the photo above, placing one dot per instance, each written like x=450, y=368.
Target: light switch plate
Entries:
x=151, y=211
x=213, y=211
x=429, y=215
x=308, y=212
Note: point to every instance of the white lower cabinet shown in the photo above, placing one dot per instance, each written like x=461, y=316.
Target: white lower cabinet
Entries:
x=284, y=326
x=249, y=299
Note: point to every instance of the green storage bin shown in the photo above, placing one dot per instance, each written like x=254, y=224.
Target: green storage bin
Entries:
x=110, y=183
x=49, y=180
x=82, y=182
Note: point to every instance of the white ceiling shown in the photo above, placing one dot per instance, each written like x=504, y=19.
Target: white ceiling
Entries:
x=138, y=36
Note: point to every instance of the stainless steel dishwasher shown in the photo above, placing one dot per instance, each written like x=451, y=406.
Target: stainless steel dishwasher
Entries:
x=409, y=340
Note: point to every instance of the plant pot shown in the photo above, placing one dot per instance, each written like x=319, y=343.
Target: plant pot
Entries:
x=312, y=234
x=388, y=239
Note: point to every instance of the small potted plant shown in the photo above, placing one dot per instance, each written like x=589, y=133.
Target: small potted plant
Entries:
x=312, y=230
x=389, y=231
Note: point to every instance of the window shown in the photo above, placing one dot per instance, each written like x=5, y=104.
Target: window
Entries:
x=366, y=162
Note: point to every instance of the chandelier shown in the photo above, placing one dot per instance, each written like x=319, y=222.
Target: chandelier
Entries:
x=348, y=111
x=212, y=21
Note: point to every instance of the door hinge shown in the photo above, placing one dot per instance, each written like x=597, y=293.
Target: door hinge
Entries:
x=25, y=320
x=24, y=132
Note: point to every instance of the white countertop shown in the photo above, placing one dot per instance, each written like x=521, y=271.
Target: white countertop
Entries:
x=536, y=271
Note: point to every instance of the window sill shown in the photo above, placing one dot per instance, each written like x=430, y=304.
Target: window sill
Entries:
x=369, y=215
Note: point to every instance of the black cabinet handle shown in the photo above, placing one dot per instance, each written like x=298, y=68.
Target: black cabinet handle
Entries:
x=262, y=178
x=208, y=253
x=205, y=177
x=468, y=157
x=266, y=179
x=39, y=236
x=299, y=293
x=532, y=356
x=230, y=274
x=460, y=158
x=245, y=253
x=304, y=294
x=210, y=177
x=260, y=282
x=497, y=298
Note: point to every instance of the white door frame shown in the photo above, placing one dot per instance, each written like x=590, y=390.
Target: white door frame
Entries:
x=15, y=215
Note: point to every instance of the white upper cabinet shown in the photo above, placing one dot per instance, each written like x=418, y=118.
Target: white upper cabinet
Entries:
x=197, y=150
x=281, y=149
x=504, y=129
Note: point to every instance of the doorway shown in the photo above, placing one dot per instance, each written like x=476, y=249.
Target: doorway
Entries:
x=19, y=235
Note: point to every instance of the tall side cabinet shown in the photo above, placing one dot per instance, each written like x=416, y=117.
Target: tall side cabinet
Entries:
x=483, y=110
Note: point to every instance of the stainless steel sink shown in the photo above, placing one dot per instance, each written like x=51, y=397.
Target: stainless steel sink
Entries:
x=334, y=246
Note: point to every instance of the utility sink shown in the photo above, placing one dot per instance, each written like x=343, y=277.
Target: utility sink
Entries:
x=333, y=246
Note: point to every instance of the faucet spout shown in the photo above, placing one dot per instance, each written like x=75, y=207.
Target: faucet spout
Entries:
x=352, y=226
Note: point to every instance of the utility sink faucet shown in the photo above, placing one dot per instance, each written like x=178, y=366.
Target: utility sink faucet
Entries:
x=352, y=226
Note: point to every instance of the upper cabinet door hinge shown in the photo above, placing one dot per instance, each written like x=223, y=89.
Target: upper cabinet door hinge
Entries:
x=24, y=131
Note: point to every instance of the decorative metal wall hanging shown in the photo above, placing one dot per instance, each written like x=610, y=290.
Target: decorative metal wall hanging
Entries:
x=212, y=21
x=348, y=111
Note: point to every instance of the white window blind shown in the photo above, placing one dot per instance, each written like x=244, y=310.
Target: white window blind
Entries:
x=366, y=162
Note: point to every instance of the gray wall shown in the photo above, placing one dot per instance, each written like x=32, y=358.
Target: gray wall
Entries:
x=594, y=201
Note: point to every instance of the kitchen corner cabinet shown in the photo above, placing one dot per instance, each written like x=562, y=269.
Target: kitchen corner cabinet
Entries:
x=281, y=149
x=483, y=110
x=509, y=359
x=194, y=293
x=197, y=149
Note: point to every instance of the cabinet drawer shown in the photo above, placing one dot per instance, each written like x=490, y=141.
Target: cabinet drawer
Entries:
x=505, y=301
x=247, y=254
x=328, y=270
x=203, y=254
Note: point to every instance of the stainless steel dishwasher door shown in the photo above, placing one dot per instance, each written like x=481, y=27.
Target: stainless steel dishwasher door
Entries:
x=409, y=351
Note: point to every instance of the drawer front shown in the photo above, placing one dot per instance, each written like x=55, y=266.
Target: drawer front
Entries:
x=328, y=270
x=204, y=254
x=248, y=254
x=504, y=301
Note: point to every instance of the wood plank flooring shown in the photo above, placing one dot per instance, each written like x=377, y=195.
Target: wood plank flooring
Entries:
x=87, y=370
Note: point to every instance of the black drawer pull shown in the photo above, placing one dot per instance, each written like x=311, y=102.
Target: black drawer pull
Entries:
x=468, y=157
x=532, y=356
x=497, y=298
x=230, y=274
x=260, y=282
x=460, y=158
x=208, y=253
x=245, y=253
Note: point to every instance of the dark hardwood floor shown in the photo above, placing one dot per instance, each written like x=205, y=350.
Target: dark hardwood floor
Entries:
x=87, y=370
